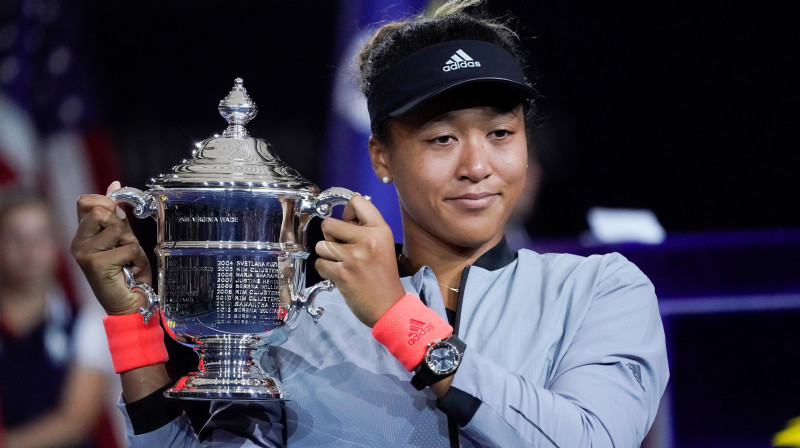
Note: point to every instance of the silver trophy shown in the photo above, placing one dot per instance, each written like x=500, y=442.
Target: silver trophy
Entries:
x=231, y=251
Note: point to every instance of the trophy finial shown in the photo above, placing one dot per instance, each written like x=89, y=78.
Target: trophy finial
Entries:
x=237, y=108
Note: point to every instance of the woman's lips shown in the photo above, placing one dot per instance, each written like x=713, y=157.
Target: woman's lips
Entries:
x=474, y=200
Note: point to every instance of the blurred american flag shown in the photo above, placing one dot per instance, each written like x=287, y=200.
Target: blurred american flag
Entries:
x=52, y=139
x=347, y=162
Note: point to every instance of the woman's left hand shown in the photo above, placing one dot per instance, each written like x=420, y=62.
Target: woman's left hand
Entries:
x=358, y=255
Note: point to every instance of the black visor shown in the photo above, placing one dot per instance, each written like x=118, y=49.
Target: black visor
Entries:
x=433, y=70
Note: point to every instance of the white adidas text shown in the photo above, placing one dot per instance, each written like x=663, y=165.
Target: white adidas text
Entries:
x=462, y=64
x=460, y=59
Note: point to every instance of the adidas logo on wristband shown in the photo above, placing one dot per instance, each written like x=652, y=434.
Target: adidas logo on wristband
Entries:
x=417, y=329
x=458, y=60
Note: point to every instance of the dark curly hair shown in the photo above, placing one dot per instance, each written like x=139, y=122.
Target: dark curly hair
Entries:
x=455, y=20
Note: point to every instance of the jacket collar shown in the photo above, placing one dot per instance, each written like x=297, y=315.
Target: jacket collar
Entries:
x=495, y=258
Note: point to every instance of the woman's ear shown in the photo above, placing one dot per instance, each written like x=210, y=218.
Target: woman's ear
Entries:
x=379, y=156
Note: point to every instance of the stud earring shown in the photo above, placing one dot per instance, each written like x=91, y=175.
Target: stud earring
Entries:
x=386, y=179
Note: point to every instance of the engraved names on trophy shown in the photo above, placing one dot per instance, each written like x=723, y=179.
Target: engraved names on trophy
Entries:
x=228, y=293
x=248, y=291
x=187, y=285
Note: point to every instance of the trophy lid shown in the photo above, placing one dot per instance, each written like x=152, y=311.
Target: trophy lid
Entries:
x=235, y=159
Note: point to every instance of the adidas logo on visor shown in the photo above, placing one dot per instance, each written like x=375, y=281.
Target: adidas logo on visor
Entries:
x=458, y=60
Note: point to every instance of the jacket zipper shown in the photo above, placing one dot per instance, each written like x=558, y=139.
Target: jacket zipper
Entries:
x=452, y=426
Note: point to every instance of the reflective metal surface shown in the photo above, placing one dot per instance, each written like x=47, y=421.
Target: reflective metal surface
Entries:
x=235, y=159
x=231, y=254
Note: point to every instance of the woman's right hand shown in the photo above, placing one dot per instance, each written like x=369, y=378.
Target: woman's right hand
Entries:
x=103, y=244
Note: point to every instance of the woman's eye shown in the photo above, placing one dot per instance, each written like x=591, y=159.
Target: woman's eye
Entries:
x=500, y=133
x=442, y=139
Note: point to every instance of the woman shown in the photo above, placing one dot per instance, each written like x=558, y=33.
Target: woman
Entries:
x=50, y=395
x=471, y=343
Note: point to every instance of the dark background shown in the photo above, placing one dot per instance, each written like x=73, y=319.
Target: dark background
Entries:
x=687, y=109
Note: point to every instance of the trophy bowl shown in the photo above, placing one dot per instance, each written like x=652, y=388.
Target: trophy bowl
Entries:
x=231, y=250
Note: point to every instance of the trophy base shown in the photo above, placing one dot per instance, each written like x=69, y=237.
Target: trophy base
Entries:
x=231, y=367
x=202, y=386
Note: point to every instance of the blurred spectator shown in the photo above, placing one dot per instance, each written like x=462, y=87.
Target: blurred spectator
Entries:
x=516, y=229
x=53, y=390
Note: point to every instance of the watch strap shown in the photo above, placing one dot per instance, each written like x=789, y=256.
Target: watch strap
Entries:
x=425, y=376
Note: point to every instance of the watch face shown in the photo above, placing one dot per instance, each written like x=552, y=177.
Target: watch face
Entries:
x=442, y=358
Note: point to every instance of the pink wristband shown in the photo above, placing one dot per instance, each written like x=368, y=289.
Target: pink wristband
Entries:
x=133, y=343
x=407, y=328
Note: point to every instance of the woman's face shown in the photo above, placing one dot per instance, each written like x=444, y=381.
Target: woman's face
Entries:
x=28, y=248
x=458, y=173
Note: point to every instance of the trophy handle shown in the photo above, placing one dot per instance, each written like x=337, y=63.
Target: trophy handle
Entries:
x=308, y=299
x=322, y=206
x=152, y=297
x=144, y=205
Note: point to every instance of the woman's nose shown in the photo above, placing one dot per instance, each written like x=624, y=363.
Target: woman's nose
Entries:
x=475, y=164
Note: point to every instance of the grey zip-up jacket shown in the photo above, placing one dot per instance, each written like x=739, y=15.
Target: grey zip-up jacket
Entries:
x=562, y=351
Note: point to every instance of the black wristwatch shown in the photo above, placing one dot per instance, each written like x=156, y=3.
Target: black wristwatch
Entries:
x=441, y=360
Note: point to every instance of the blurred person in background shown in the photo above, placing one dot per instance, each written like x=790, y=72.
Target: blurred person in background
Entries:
x=53, y=390
x=516, y=229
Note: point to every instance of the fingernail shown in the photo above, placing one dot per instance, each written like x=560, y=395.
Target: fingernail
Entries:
x=113, y=186
x=120, y=212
